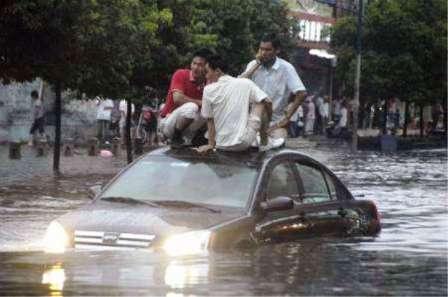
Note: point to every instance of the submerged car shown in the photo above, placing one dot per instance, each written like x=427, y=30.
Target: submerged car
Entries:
x=182, y=202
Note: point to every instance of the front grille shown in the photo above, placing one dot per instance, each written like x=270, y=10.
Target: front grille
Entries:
x=111, y=240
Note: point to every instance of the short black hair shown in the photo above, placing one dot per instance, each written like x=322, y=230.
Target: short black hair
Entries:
x=217, y=62
x=34, y=94
x=202, y=53
x=272, y=38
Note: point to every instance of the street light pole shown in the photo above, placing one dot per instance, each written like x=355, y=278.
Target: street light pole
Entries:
x=357, y=78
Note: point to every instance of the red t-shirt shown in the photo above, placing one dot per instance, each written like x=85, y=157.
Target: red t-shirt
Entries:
x=183, y=81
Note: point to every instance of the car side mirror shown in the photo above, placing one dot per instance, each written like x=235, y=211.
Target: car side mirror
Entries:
x=94, y=191
x=278, y=203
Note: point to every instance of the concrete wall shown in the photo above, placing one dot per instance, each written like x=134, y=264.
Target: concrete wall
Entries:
x=78, y=117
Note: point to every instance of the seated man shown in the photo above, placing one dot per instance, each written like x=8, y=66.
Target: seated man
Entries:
x=226, y=103
x=180, y=116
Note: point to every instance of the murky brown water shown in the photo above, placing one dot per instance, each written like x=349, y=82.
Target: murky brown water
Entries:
x=409, y=257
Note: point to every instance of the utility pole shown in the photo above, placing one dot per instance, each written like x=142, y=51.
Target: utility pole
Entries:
x=357, y=77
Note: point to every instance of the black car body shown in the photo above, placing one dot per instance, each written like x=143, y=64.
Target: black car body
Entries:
x=216, y=201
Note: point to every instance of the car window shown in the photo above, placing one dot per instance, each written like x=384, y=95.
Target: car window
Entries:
x=160, y=179
x=331, y=186
x=314, y=186
x=282, y=182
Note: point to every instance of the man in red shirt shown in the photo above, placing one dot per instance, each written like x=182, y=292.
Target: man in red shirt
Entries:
x=181, y=116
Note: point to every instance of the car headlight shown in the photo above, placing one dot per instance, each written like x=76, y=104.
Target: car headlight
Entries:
x=190, y=243
x=56, y=239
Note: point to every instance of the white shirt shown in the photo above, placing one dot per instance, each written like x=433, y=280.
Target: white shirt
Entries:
x=336, y=107
x=279, y=82
x=38, y=109
x=227, y=102
x=311, y=112
x=324, y=110
x=124, y=110
x=343, y=120
x=103, y=113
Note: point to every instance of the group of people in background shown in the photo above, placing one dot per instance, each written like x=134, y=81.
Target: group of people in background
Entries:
x=318, y=116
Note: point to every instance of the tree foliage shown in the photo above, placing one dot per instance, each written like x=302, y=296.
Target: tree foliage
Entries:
x=404, y=50
x=117, y=47
x=92, y=46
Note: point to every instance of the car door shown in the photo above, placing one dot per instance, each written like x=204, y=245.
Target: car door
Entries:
x=281, y=225
x=322, y=210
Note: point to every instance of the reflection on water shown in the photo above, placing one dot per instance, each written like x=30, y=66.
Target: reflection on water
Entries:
x=177, y=275
x=55, y=278
x=407, y=258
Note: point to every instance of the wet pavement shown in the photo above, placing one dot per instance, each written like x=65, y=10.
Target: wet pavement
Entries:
x=409, y=257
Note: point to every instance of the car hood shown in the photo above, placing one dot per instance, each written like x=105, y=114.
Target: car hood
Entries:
x=142, y=219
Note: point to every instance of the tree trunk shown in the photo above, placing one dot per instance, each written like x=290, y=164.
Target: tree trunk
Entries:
x=57, y=132
x=128, y=132
x=406, y=119
x=422, y=124
x=384, y=123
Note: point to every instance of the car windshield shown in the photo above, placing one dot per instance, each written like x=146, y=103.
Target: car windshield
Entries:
x=169, y=179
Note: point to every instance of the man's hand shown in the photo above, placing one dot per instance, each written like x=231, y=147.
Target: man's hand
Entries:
x=258, y=57
x=281, y=124
x=203, y=149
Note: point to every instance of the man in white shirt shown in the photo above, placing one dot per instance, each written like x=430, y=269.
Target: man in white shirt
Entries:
x=310, y=116
x=103, y=116
x=225, y=105
x=324, y=111
x=279, y=79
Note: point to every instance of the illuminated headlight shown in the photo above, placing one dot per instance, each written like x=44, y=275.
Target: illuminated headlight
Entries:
x=190, y=243
x=56, y=239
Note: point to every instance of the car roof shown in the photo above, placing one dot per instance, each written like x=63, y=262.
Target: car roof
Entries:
x=251, y=157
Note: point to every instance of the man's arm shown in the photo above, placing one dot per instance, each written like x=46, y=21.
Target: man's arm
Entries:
x=248, y=74
x=180, y=98
x=298, y=99
x=211, y=138
x=268, y=108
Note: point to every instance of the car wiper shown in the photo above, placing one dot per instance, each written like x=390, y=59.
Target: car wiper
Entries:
x=181, y=203
x=129, y=200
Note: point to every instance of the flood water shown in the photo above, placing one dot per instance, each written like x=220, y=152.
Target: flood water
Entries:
x=408, y=257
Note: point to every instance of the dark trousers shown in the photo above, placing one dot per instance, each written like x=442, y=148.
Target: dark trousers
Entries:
x=38, y=124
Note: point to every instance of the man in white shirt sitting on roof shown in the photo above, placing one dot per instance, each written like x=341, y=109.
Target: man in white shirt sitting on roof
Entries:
x=225, y=104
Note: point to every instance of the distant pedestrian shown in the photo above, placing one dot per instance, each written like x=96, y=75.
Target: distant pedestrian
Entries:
x=341, y=126
x=115, y=117
x=397, y=120
x=324, y=112
x=437, y=112
x=38, y=116
x=103, y=117
x=318, y=103
x=336, y=109
x=427, y=118
x=310, y=116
